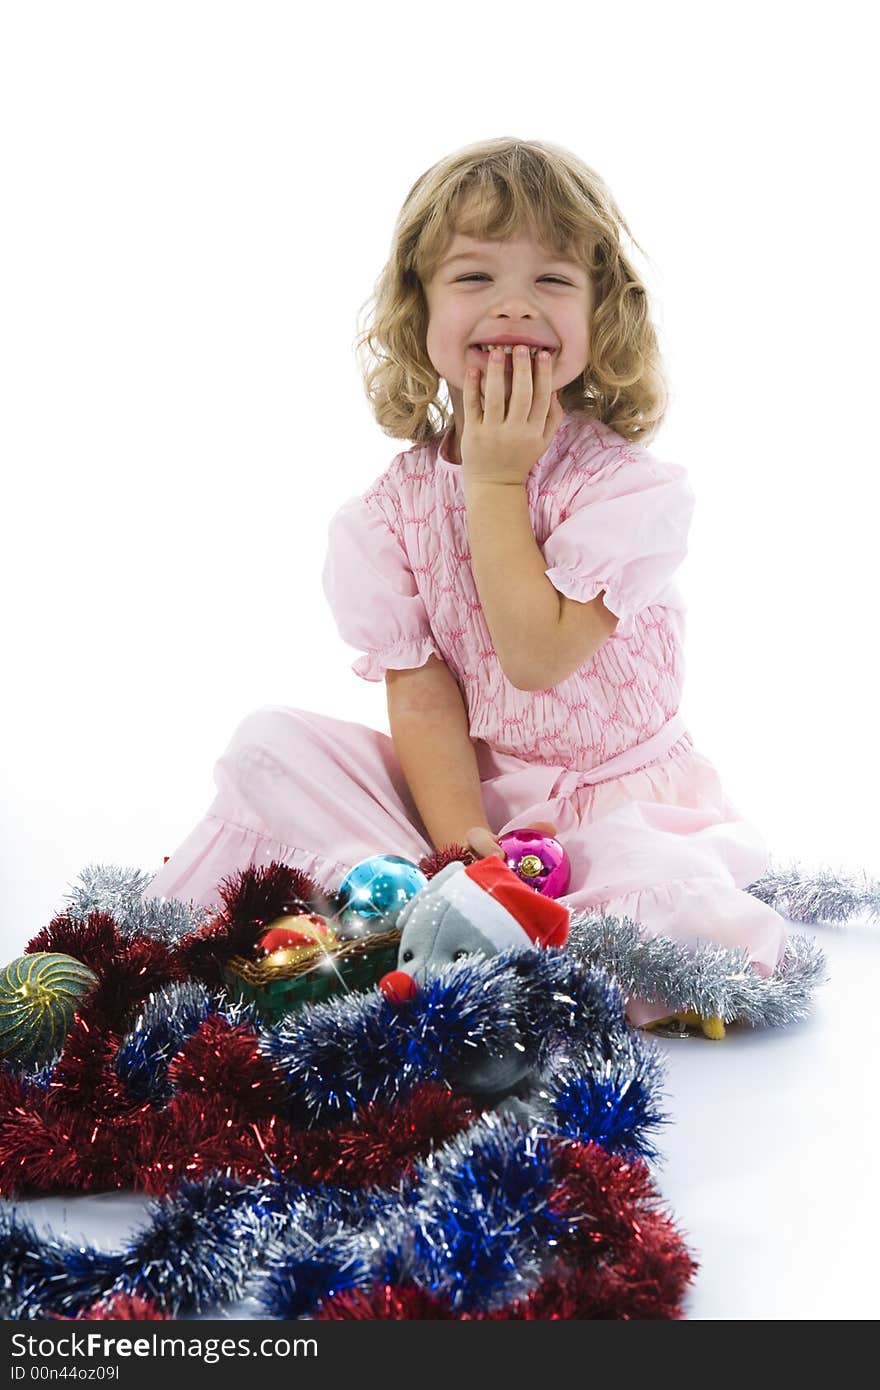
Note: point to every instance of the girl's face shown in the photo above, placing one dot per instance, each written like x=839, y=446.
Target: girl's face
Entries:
x=485, y=289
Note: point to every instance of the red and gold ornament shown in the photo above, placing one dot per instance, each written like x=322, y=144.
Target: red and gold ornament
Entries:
x=290, y=940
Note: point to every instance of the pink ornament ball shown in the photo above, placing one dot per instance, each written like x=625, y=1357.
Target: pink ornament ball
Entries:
x=537, y=859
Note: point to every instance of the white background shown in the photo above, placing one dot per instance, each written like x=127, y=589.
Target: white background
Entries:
x=198, y=199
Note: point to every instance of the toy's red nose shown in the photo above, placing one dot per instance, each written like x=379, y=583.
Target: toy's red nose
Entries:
x=398, y=986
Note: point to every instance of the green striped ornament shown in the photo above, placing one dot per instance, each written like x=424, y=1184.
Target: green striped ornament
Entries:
x=39, y=995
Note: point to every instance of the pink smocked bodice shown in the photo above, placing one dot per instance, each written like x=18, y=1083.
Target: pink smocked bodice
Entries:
x=607, y=515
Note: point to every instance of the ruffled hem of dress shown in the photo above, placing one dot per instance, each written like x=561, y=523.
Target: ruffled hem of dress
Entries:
x=400, y=656
x=218, y=848
x=573, y=584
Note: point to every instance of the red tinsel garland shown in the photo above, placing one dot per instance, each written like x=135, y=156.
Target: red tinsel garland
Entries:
x=83, y=1134
x=626, y=1261
x=119, y=1306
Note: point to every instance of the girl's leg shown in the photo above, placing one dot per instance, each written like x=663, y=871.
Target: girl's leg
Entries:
x=316, y=793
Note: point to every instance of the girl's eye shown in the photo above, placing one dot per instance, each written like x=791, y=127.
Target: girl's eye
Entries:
x=557, y=278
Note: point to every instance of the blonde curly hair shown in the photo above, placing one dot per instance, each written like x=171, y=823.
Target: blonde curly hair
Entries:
x=493, y=189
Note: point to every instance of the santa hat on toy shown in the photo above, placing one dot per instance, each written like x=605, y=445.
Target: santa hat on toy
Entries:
x=503, y=908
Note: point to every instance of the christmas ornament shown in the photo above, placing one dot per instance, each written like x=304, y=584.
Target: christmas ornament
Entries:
x=539, y=860
x=305, y=929
x=374, y=892
x=305, y=941
x=291, y=955
x=39, y=994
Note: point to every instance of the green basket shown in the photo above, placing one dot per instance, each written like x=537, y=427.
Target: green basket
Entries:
x=349, y=967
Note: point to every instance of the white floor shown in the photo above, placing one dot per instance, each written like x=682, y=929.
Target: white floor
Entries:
x=769, y=1160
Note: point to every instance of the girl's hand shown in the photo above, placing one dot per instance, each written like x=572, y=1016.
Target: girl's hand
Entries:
x=499, y=448
x=483, y=843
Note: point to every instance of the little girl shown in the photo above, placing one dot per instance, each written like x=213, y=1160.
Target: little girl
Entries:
x=511, y=577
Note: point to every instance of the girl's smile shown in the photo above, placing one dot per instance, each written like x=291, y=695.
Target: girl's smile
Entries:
x=513, y=288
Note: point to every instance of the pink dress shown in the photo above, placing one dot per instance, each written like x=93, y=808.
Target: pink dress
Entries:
x=604, y=755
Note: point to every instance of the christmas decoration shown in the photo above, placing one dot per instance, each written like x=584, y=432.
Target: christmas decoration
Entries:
x=500, y=1222
x=334, y=1155
x=118, y=894
x=38, y=996
x=539, y=860
x=119, y=1306
x=291, y=976
x=489, y=899
x=374, y=892
x=709, y=981
x=306, y=929
x=478, y=910
x=822, y=896
x=307, y=940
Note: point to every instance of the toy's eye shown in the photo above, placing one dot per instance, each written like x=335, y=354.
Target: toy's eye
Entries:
x=460, y=955
x=407, y=955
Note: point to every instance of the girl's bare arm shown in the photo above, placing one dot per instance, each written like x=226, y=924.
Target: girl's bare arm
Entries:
x=430, y=731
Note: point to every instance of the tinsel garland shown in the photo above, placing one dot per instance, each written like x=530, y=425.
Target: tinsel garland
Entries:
x=195, y=1085
x=244, y=1128
x=342, y=1121
x=823, y=896
x=500, y=1222
x=709, y=981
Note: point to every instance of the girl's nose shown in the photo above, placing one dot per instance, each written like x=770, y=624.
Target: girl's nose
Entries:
x=398, y=987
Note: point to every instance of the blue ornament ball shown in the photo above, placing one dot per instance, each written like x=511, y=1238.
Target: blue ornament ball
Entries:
x=374, y=892
x=39, y=994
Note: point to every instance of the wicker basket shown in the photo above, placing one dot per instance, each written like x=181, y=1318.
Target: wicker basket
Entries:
x=319, y=973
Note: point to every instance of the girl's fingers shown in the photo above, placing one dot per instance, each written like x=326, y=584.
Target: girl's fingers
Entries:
x=494, y=388
x=486, y=397
x=532, y=389
x=484, y=843
x=542, y=382
x=554, y=419
x=471, y=393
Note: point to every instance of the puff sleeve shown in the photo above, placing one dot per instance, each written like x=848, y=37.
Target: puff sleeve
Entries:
x=372, y=593
x=627, y=534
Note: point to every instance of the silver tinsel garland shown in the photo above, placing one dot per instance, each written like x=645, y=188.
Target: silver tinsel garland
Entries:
x=823, y=896
x=715, y=982
x=709, y=981
x=120, y=893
